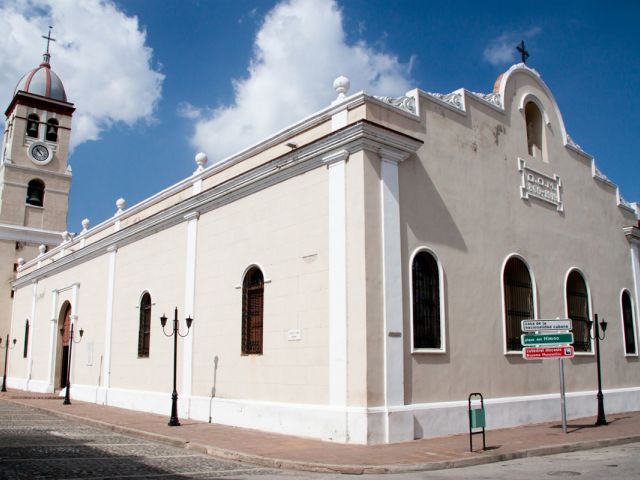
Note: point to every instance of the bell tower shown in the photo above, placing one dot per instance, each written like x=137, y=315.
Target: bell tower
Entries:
x=35, y=177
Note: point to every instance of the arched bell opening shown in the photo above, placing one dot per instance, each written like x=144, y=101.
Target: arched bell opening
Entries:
x=35, y=193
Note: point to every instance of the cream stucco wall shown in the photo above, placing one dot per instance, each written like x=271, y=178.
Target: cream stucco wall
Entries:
x=282, y=230
x=163, y=257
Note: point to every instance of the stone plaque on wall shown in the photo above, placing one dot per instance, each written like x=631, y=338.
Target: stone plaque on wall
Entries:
x=540, y=186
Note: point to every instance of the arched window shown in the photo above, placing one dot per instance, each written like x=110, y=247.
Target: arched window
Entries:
x=533, y=120
x=144, y=333
x=518, y=300
x=627, y=323
x=26, y=339
x=35, y=193
x=252, y=311
x=52, y=130
x=425, y=282
x=33, y=125
x=578, y=310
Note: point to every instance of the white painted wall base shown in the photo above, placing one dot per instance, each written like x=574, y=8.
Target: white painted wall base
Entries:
x=354, y=425
x=446, y=418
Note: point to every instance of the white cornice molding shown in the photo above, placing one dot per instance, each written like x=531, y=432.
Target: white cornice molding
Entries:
x=633, y=234
x=335, y=157
x=392, y=155
x=38, y=171
x=36, y=236
x=47, y=190
x=352, y=138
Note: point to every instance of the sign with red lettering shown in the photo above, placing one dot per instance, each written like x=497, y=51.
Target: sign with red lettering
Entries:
x=536, y=353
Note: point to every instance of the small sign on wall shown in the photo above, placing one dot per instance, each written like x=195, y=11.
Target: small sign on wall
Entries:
x=90, y=353
x=294, y=335
x=541, y=186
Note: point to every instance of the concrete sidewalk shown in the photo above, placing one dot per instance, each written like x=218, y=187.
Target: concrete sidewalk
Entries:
x=281, y=451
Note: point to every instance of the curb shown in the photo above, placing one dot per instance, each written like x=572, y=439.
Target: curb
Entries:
x=278, y=463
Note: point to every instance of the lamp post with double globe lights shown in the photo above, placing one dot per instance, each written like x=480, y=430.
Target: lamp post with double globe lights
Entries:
x=6, y=347
x=174, y=422
x=601, y=420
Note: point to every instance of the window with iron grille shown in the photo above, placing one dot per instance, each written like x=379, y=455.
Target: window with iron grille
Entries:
x=578, y=311
x=425, y=281
x=26, y=339
x=144, y=333
x=627, y=322
x=252, y=311
x=518, y=300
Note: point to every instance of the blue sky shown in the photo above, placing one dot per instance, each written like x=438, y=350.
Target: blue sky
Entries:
x=156, y=82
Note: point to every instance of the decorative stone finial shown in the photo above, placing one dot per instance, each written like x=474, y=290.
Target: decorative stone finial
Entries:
x=85, y=225
x=20, y=262
x=66, y=236
x=341, y=85
x=201, y=161
x=42, y=249
x=120, y=203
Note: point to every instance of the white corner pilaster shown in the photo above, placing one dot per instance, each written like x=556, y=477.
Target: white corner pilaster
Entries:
x=189, y=307
x=392, y=289
x=53, y=330
x=103, y=389
x=32, y=332
x=74, y=325
x=337, y=278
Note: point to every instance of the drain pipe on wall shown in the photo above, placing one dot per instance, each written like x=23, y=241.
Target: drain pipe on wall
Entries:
x=213, y=387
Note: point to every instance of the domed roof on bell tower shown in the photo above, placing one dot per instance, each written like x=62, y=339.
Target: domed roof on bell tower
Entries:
x=42, y=80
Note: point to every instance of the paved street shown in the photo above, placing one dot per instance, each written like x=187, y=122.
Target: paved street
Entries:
x=34, y=444
x=38, y=445
x=611, y=463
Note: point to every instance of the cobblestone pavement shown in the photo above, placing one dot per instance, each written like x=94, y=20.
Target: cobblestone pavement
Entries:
x=38, y=445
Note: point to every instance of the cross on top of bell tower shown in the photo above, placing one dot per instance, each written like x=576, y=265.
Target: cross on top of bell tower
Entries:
x=47, y=56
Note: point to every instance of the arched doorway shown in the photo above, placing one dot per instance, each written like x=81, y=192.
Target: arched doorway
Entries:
x=62, y=363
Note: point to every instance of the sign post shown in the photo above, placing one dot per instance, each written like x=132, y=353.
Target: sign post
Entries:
x=549, y=339
x=563, y=405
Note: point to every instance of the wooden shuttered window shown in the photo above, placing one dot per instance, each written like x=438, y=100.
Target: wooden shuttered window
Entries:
x=627, y=322
x=578, y=311
x=425, y=278
x=144, y=332
x=518, y=300
x=252, y=312
x=26, y=340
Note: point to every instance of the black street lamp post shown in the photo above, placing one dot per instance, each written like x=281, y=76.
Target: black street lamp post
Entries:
x=6, y=347
x=174, y=422
x=601, y=420
x=67, y=398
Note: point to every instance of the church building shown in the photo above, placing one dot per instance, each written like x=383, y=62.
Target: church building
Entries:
x=353, y=277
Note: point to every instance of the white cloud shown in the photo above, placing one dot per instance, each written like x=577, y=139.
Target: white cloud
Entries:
x=100, y=55
x=299, y=50
x=189, y=111
x=502, y=49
